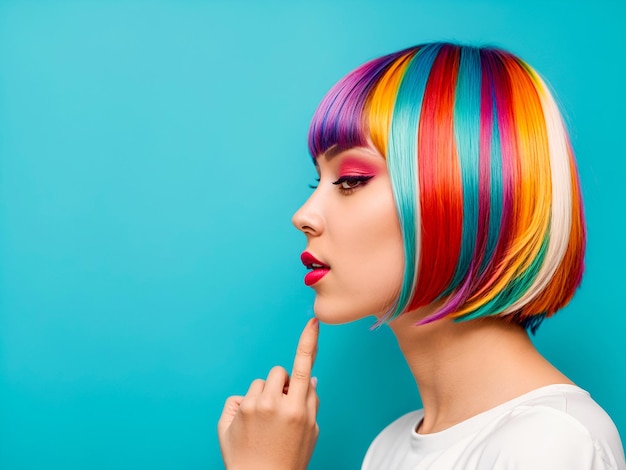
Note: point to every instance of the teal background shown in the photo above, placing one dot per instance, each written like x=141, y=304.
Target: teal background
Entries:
x=151, y=156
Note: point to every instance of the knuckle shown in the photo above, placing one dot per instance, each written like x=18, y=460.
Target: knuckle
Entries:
x=295, y=416
x=299, y=375
x=277, y=370
x=257, y=383
x=278, y=373
x=304, y=352
x=231, y=403
x=265, y=406
x=247, y=408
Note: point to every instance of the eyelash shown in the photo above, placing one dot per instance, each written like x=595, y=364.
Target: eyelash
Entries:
x=355, y=180
x=314, y=186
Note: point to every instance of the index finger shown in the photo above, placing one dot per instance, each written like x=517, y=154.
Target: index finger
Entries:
x=303, y=362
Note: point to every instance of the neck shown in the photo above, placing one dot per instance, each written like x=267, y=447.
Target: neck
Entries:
x=465, y=368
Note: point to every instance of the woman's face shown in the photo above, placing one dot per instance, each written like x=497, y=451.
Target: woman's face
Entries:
x=353, y=232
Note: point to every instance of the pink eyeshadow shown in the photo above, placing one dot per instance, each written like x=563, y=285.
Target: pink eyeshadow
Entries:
x=356, y=166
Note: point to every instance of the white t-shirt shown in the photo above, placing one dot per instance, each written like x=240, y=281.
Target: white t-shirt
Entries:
x=557, y=427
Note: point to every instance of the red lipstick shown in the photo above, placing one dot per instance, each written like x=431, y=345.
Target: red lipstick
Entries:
x=318, y=269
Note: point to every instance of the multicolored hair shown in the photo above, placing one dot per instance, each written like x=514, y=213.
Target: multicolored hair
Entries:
x=483, y=177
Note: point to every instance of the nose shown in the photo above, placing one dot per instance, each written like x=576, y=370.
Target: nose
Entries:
x=308, y=218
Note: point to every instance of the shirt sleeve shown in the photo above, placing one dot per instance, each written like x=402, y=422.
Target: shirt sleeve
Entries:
x=538, y=438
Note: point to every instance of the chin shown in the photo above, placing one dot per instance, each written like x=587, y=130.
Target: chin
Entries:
x=338, y=313
x=333, y=319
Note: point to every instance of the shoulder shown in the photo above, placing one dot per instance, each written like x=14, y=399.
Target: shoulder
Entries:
x=539, y=436
x=395, y=439
x=402, y=427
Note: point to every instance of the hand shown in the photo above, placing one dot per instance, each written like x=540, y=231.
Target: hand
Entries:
x=274, y=426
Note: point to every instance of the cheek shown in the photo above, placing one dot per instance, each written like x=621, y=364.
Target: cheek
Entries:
x=378, y=236
x=383, y=252
x=372, y=255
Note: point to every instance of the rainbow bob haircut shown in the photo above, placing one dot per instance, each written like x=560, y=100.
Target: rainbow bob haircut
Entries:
x=483, y=176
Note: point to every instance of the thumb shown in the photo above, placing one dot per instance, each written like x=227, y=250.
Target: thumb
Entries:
x=228, y=414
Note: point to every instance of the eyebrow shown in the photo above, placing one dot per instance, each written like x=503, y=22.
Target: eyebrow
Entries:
x=329, y=154
x=334, y=151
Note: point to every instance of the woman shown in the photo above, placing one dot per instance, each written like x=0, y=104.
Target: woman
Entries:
x=449, y=208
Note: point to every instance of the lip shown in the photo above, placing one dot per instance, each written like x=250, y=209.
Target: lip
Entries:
x=316, y=273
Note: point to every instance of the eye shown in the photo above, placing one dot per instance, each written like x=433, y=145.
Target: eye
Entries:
x=314, y=186
x=347, y=184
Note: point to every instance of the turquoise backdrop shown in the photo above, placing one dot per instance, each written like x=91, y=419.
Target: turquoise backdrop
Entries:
x=151, y=156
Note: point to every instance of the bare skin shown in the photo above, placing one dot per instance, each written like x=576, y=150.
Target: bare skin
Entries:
x=274, y=425
x=465, y=368
x=461, y=368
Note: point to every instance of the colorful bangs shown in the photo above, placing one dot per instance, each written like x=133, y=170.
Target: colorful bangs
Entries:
x=483, y=176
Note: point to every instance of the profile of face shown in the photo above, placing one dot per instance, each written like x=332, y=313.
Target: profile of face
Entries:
x=352, y=227
x=447, y=183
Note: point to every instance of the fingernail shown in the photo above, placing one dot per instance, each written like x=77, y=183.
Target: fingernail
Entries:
x=314, y=382
x=315, y=323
